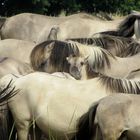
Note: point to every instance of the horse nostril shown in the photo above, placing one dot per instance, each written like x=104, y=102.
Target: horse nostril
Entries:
x=74, y=68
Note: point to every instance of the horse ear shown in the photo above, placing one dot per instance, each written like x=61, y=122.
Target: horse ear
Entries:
x=86, y=59
x=67, y=58
x=137, y=29
x=50, y=46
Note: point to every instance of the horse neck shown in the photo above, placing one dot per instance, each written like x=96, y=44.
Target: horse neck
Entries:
x=101, y=64
x=128, y=59
x=84, y=74
x=87, y=73
x=118, y=48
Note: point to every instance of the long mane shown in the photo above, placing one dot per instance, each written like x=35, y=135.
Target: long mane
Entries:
x=133, y=49
x=125, y=28
x=99, y=58
x=120, y=85
x=58, y=51
x=120, y=44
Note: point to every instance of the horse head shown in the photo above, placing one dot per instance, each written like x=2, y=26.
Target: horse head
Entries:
x=77, y=66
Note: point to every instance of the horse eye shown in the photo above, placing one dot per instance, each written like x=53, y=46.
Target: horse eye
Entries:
x=82, y=63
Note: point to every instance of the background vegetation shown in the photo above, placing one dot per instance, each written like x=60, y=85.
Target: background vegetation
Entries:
x=56, y=7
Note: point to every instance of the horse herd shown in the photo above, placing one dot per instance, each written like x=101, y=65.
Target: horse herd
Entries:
x=74, y=77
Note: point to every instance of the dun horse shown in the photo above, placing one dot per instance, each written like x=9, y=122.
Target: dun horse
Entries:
x=28, y=26
x=43, y=98
x=111, y=118
x=99, y=60
x=13, y=66
x=17, y=49
x=71, y=29
x=51, y=56
x=128, y=27
x=114, y=44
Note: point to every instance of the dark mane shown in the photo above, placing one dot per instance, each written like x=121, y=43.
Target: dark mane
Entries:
x=126, y=27
x=105, y=41
x=135, y=70
x=133, y=49
x=99, y=58
x=58, y=51
x=112, y=33
x=120, y=85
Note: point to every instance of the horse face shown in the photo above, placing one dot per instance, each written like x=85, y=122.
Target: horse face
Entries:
x=76, y=66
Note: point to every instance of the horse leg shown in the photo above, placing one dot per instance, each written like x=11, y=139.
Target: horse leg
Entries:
x=23, y=130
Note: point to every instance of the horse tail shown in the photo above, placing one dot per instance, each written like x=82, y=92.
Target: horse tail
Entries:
x=4, y=122
x=126, y=28
x=137, y=28
x=7, y=130
x=5, y=94
x=2, y=21
x=86, y=126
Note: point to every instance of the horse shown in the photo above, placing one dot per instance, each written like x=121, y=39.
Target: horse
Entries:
x=28, y=26
x=5, y=122
x=118, y=46
x=111, y=118
x=79, y=68
x=99, y=60
x=71, y=29
x=51, y=56
x=127, y=28
x=115, y=44
x=42, y=96
x=9, y=65
x=17, y=49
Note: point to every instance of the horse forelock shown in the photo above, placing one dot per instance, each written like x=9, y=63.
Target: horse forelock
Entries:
x=120, y=85
x=126, y=27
